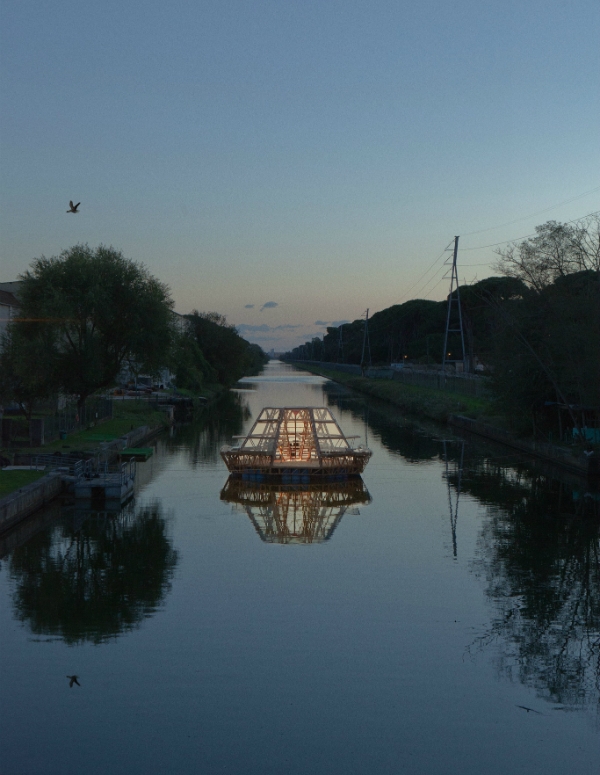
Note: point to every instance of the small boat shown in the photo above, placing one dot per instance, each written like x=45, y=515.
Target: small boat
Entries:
x=297, y=444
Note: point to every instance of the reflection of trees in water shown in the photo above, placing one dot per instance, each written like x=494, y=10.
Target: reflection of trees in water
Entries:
x=539, y=554
x=203, y=438
x=94, y=580
x=295, y=513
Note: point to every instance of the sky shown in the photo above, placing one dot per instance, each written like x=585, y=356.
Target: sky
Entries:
x=291, y=163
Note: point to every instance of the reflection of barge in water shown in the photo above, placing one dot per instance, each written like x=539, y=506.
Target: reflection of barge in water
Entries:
x=297, y=444
x=295, y=513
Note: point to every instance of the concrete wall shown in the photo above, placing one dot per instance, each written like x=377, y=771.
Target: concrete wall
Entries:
x=19, y=504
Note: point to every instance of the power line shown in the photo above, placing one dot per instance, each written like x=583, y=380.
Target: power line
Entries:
x=539, y=212
x=405, y=294
x=439, y=282
x=527, y=236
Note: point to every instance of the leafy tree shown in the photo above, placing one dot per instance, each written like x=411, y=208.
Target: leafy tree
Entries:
x=192, y=370
x=27, y=368
x=226, y=351
x=99, y=309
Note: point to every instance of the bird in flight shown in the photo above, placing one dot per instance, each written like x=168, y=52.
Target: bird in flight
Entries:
x=73, y=680
x=72, y=207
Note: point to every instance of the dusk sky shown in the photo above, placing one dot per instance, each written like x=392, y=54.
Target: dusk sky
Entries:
x=289, y=164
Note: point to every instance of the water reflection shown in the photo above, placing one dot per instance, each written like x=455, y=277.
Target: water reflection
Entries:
x=415, y=441
x=295, y=513
x=202, y=439
x=539, y=555
x=94, y=575
x=538, y=552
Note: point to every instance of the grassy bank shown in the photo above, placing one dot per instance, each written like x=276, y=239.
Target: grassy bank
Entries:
x=14, y=480
x=127, y=415
x=439, y=405
x=425, y=402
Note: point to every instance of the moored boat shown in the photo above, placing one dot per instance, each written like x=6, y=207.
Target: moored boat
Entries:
x=295, y=443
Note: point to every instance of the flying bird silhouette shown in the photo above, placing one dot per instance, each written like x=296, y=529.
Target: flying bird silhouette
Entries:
x=73, y=680
x=72, y=207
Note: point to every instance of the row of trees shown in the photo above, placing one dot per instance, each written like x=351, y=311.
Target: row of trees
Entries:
x=88, y=313
x=535, y=326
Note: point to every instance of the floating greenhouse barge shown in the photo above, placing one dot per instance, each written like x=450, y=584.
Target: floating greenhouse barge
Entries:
x=295, y=444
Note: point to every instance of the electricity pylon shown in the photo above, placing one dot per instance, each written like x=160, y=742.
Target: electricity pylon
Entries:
x=459, y=330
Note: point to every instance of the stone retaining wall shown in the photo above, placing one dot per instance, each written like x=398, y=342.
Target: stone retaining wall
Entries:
x=19, y=504
x=27, y=499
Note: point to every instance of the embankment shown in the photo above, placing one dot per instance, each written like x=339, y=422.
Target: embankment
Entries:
x=24, y=501
x=20, y=503
x=452, y=408
x=425, y=402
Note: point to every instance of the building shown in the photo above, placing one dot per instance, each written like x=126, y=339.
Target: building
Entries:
x=9, y=304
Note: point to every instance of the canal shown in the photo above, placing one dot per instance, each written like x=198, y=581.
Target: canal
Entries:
x=442, y=616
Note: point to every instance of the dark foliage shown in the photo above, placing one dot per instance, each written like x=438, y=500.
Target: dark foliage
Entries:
x=96, y=309
x=224, y=349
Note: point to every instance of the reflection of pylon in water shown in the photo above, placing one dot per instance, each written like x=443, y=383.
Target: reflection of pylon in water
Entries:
x=453, y=507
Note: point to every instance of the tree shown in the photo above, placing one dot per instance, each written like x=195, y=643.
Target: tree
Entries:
x=548, y=340
x=99, y=309
x=226, y=351
x=27, y=368
x=557, y=250
x=192, y=370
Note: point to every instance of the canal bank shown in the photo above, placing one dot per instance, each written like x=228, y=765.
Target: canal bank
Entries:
x=23, y=501
x=105, y=441
x=471, y=414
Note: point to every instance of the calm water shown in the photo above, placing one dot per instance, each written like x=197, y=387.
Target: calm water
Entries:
x=444, y=617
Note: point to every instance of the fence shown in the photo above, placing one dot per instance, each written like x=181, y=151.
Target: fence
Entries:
x=71, y=419
x=19, y=432
x=64, y=464
x=466, y=385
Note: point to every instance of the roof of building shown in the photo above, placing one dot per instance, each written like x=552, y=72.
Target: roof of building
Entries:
x=8, y=299
x=299, y=432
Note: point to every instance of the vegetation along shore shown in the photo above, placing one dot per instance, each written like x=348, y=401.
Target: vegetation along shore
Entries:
x=523, y=360
x=93, y=349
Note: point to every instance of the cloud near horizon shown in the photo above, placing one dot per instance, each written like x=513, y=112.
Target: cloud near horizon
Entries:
x=248, y=306
x=331, y=323
x=269, y=305
x=264, y=327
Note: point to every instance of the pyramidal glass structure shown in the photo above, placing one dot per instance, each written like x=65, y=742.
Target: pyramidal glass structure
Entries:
x=296, y=441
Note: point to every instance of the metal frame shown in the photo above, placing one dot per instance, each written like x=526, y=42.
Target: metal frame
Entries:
x=296, y=441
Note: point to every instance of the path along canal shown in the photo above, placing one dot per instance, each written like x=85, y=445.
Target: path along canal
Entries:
x=445, y=618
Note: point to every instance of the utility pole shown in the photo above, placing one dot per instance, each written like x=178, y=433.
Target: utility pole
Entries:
x=366, y=343
x=451, y=300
